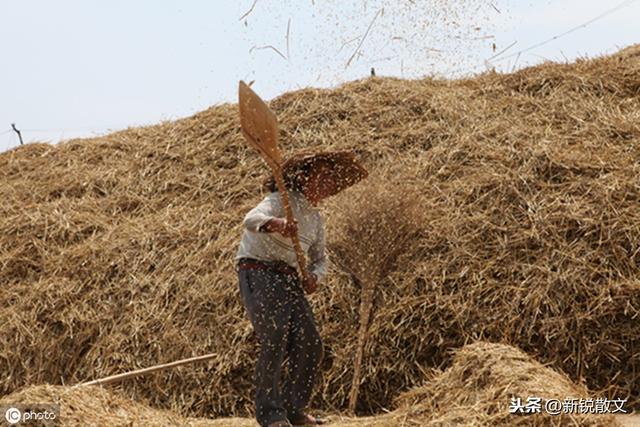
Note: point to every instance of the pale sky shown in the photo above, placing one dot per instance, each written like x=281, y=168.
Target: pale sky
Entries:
x=76, y=68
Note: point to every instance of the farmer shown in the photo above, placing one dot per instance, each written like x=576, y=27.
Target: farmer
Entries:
x=271, y=290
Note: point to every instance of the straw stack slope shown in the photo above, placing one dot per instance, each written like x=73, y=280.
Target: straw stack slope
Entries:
x=116, y=253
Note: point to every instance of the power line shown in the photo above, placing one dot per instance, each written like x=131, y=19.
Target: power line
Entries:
x=8, y=141
x=602, y=15
x=66, y=130
x=82, y=128
x=12, y=139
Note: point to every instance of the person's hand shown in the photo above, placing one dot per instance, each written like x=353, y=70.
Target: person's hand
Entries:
x=310, y=283
x=284, y=227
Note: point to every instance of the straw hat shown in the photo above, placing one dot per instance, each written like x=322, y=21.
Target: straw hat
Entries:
x=343, y=165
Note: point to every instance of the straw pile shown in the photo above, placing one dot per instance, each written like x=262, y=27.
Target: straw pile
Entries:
x=474, y=391
x=94, y=406
x=116, y=252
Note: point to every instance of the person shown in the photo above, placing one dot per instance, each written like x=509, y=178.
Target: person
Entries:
x=273, y=293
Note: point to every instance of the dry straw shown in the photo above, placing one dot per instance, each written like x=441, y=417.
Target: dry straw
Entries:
x=474, y=391
x=477, y=390
x=372, y=231
x=116, y=253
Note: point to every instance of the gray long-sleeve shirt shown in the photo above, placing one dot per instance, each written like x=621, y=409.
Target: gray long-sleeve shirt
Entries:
x=275, y=247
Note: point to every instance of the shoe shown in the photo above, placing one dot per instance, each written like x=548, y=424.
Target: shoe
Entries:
x=280, y=423
x=306, y=420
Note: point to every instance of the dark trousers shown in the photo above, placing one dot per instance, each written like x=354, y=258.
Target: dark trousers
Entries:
x=284, y=325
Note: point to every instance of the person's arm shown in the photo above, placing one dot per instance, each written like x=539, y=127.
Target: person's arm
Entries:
x=318, y=255
x=261, y=214
x=263, y=219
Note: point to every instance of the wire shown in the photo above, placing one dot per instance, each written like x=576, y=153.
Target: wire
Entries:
x=78, y=129
x=602, y=15
x=13, y=140
x=8, y=142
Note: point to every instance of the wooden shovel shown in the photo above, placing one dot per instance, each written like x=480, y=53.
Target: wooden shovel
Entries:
x=260, y=129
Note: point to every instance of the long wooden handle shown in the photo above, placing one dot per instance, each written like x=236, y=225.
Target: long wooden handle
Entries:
x=119, y=377
x=302, y=264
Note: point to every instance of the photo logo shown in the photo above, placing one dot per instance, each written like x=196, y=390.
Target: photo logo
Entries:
x=13, y=415
x=28, y=414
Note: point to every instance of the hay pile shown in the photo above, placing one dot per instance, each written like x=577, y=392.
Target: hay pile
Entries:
x=116, y=252
x=94, y=406
x=474, y=391
x=477, y=388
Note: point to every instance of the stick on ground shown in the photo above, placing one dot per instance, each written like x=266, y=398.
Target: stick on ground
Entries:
x=119, y=377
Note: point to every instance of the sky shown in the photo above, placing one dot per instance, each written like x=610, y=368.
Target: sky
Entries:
x=83, y=68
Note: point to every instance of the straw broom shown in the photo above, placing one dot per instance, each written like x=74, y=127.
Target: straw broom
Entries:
x=369, y=281
x=377, y=226
x=366, y=307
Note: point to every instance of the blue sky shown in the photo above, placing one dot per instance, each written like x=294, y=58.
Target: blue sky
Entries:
x=76, y=68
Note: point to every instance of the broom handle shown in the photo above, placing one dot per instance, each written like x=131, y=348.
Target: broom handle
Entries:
x=277, y=174
x=120, y=377
x=365, y=315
